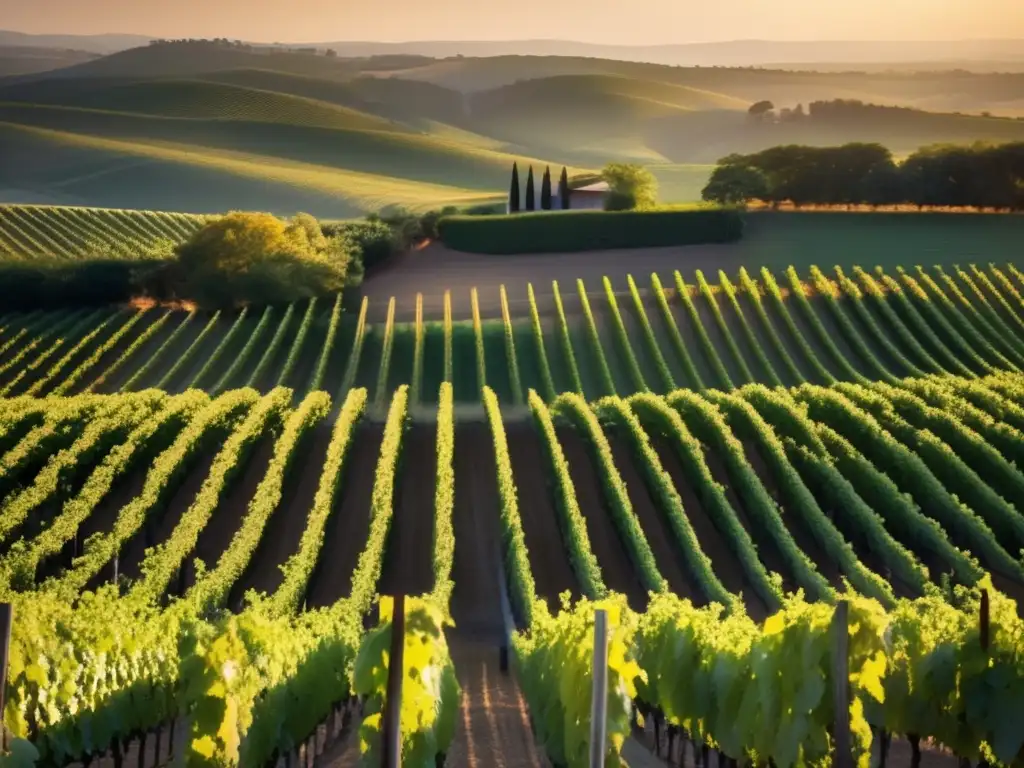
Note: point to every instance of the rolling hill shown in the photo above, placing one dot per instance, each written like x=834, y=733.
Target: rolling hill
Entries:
x=204, y=127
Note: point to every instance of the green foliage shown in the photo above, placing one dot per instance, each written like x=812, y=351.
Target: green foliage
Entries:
x=575, y=410
x=510, y=351
x=566, y=341
x=555, y=661
x=299, y=567
x=325, y=354
x=596, y=348
x=653, y=348
x=256, y=257
x=698, y=565
x=547, y=381
x=765, y=690
x=297, y=343
x=212, y=588
x=729, y=290
x=625, y=345
x=573, y=524
x=629, y=187
x=430, y=690
x=710, y=353
x=478, y=337
x=417, y=354
x=381, y=390
x=202, y=431
x=242, y=357
x=189, y=353
x=132, y=348
x=723, y=327
x=588, y=230
x=348, y=379
x=693, y=377
x=735, y=185
x=515, y=555
x=444, y=499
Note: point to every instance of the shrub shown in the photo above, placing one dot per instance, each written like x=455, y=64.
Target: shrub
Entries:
x=630, y=186
x=258, y=258
x=588, y=230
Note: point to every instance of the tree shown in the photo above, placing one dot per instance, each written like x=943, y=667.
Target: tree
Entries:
x=735, y=185
x=545, y=190
x=629, y=186
x=531, y=204
x=256, y=258
x=513, y=193
x=563, y=189
x=761, y=110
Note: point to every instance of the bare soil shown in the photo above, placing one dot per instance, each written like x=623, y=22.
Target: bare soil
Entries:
x=805, y=542
x=549, y=561
x=284, y=529
x=764, y=340
x=170, y=356
x=102, y=520
x=309, y=355
x=714, y=331
x=653, y=522
x=268, y=378
x=408, y=557
x=688, y=331
x=99, y=366
x=160, y=526
x=183, y=378
x=605, y=540
x=227, y=519
x=349, y=525
x=711, y=539
x=478, y=567
x=113, y=383
x=493, y=730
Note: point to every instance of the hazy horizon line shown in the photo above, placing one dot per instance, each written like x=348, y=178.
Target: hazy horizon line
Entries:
x=574, y=41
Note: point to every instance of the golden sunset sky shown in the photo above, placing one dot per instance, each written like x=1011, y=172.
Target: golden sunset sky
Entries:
x=627, y=22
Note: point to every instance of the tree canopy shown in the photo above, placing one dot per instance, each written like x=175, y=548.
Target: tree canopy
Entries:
x=629, y=186
x=981, y=176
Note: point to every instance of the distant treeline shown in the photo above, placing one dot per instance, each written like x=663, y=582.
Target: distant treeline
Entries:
x=845, y=111
x=978, y=176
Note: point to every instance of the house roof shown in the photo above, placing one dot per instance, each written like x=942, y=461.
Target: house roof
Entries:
x=599, y=186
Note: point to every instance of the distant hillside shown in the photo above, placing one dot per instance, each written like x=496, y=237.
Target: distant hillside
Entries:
x=405, y=100
x=205, y=127
x=99, y=44
x=194, y=99
x=189, y=59
x=731, y=53
x=947, y=91
x=22, y=60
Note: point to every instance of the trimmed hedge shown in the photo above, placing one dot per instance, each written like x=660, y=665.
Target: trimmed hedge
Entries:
x=588, y=230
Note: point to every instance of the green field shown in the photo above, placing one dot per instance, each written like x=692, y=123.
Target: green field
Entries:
x=760, y=469
x=212, y=129
x=622, y=444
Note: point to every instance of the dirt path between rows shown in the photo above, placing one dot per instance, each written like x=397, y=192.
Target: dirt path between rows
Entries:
x=616, y=566
x=549, y=560
x=284, y=529
x=711, y=539
x=349, y=525
x=654, y=523
x=408, y=567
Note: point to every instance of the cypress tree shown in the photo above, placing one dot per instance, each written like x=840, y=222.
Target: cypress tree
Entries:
x=563, y=189
x=545, y=190
x=513, y=193
x=530, y=201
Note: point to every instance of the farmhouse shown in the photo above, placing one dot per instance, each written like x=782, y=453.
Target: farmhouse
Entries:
x=588, y=198
x=542, y=197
